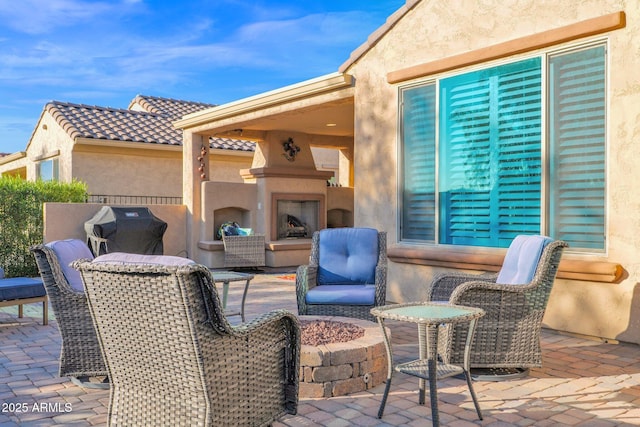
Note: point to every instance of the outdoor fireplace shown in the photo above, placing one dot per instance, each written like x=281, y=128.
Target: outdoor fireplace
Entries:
x=296, y=216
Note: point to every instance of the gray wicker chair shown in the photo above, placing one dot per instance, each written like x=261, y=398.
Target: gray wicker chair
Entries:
x=173, y=358
x=80, y=355
x=308, y=276
x=507, y=339
x=244, y=251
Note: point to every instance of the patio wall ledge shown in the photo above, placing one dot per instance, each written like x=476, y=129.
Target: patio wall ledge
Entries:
x=485, y=259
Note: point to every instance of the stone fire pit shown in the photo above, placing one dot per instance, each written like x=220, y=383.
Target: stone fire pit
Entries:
x=339, y=368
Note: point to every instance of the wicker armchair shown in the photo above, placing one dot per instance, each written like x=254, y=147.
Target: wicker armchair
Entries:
x=80, y=355
x=346, y=274
x=507, y=338
x=173, y=358
x=244, y=251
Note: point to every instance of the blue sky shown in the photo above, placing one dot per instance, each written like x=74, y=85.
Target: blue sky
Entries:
x=107, y=52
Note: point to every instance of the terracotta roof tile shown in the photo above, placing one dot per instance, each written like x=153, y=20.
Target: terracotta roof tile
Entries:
x=154, y=125
x=173, y=108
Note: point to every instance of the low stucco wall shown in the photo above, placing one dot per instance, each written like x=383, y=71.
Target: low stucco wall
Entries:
x=66, y=221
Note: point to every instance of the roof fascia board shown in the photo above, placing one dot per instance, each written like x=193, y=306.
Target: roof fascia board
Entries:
x=578, y=30
x=127, y=144
x=154, y=146
x=13, y=157
x=46, y=156
x=283, y=95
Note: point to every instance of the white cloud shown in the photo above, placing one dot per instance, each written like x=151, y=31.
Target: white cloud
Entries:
x=106, y=51
x=129, y=61
x=40, y=17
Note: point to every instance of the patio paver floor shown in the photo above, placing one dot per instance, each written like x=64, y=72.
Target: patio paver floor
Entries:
x=582, y=382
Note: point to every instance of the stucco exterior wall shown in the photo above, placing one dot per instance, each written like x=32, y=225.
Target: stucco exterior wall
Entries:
x=129, y=172
x=226, y=168
x=438, y=29
x=148, y=172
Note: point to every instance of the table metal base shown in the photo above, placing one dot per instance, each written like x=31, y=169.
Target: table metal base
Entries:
x=498, y=374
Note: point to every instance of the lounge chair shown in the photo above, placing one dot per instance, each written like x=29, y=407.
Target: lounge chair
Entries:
x=507, y=339
x=173, y=358
x=80, y=355
x=346, y=274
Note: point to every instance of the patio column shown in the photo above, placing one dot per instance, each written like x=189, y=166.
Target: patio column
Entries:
x=195, y=170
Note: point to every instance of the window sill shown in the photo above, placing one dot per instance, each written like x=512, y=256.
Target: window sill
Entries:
x=573, y=267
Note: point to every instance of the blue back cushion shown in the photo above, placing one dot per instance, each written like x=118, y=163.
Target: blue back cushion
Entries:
x=522, y=259
x=347, y=256
x=68, y=251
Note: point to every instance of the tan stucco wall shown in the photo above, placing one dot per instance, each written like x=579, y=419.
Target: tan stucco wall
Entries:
x=49, y=140
x=115, y=171
x=226, y=168
x=439, y=29
x=66, y=221
x=146, y=172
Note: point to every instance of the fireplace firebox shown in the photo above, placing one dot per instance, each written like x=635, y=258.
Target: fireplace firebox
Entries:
x=297, y=216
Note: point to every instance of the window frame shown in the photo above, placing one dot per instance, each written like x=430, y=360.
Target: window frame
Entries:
x=55, y=169
x=545, y=144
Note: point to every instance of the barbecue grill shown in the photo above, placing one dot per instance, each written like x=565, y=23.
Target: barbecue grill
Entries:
x=125, y=229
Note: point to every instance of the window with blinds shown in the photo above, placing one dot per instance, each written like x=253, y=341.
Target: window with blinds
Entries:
x=577, y=141
x=418, y=129
x=489, y=127
x=490, y=155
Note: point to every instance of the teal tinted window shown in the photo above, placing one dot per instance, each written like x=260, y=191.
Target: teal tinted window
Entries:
x=490, y=165
x=577, y=142
x=483, y=133
x=418, y=134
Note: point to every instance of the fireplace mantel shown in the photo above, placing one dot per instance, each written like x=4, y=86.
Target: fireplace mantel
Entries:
x=286, y=172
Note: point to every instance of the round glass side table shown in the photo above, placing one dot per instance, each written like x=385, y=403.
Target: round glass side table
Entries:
x=428, y=316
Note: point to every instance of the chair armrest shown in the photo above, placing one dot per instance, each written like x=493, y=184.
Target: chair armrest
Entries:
x=281, y=316
x=381, y=284
x=484, y=286
x=480, y=293
x=306, y=278
x=276, y=330
x=443, y=285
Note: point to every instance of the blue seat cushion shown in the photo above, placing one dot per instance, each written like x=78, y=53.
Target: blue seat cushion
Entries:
x=347, y=256
x=21, y=288
x=342, y=294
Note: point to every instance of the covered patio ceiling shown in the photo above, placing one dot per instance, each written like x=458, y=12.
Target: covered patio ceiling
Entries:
x=321, y=106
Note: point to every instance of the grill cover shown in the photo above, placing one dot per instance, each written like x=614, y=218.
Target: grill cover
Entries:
x=133, y=230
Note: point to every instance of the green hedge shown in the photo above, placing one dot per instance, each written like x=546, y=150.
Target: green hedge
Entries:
x=21, y=222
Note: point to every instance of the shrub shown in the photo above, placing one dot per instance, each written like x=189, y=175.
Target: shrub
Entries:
x=21, y=219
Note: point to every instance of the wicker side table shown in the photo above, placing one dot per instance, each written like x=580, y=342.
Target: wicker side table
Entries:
x=428, y=316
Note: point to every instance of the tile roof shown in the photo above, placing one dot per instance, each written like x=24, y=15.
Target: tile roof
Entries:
x=153, y=125
x=173, y=108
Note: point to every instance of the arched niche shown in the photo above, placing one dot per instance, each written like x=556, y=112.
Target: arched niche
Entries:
x=235, y=214
x=339, y=218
